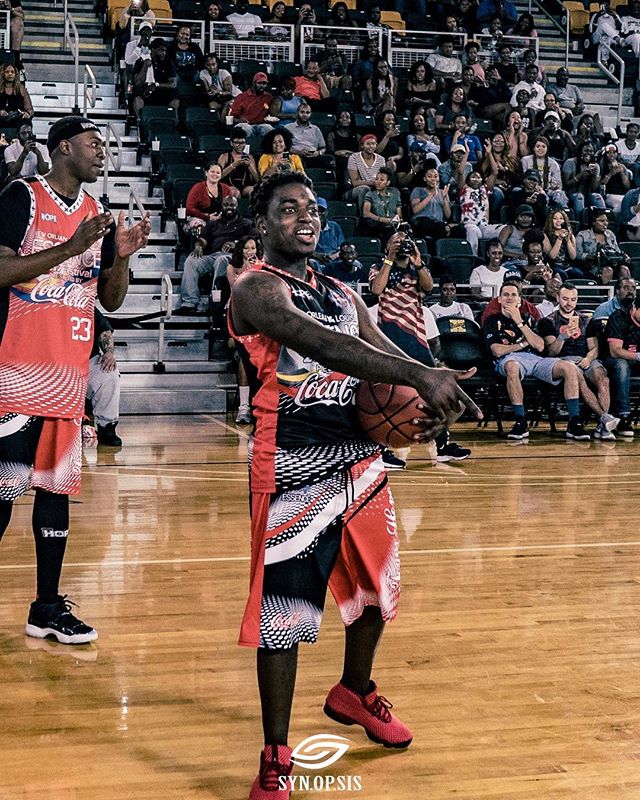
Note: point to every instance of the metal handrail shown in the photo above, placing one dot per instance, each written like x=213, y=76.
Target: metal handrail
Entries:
x=166, y=295
x=134, y=200
x=604, y=48
x=110, y=158
x=73, y=44
x=89, y=97
x=563, y=25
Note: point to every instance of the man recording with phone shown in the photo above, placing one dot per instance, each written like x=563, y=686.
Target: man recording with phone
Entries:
x=26, y=158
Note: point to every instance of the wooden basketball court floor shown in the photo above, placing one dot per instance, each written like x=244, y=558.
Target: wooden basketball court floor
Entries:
x=515, y=658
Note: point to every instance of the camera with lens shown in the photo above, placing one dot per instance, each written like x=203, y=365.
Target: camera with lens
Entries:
x=406, y=247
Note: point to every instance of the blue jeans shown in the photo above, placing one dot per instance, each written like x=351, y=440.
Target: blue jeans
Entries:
x=577, y=200
x=619, y=371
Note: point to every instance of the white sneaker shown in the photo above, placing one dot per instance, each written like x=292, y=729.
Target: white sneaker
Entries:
x=243, y=417
x=602, y=433
x=609, y=421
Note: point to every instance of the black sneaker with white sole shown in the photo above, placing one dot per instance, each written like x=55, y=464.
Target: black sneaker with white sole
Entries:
x=576, y=430
x=391, y=461
x=452, y=452
x=520, y=429
x=56, y=620
x=625, y=428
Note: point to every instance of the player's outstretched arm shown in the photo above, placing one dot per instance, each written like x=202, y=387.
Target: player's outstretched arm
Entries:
x=114, y=282
x=261, y=302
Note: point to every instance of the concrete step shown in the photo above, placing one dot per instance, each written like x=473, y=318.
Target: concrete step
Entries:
x=43, y=102
x=105, y=89
x=180, y=345
x=64, y=72
x=220, y=367
x=173, y=401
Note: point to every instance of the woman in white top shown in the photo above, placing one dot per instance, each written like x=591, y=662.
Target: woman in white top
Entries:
x=549, y=170
x=218, y=84
x=363, y=167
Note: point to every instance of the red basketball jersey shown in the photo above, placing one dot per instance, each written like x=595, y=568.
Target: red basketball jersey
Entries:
x=45, y=347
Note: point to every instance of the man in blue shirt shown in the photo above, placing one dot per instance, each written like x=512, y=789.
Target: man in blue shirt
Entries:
x=331, y=237
x=624, y=294
x=347, y=268
x=489, y=9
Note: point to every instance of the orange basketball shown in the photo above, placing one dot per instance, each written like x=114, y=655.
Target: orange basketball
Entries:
x=387, y=412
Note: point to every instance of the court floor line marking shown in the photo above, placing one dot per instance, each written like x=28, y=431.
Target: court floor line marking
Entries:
x=226, y=426
x=403, y=553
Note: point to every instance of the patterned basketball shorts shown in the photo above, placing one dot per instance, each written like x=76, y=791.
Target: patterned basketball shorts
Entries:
x=340, y=532
x=39, y=453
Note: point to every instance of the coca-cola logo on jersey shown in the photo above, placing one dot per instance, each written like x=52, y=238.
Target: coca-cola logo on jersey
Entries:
x=51, y=290
x=316, y=389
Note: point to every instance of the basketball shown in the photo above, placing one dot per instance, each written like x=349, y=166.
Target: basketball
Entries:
x=386, y=413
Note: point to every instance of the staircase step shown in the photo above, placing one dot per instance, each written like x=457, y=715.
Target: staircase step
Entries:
x=105, y=89
x=173, y=401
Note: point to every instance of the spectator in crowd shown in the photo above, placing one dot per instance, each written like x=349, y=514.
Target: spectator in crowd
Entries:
x=629, y=150
x=463, y=134
x=474, y=211
x=25, y=157
x=345, y=267
x=331, y=237
x=624, y=293
x=374, y=20
x=522, y=107
x=333, y=66
x=597, y=250
x=218, y=237
x=629, y=217
x=381, y=207
x=186, y=55
x=430, y=207
x=362, y=69
x=516, y=135
x=548, y=171
x=512, y=275
x=512, y=236
x=449, y=306
x=552, y=281
x=450, y=108
x=363, y=167
x=307, y=139
x=559, y=244
x=15, y=102
x=504, y=9
x=530, y=84
x=615, y=178
x=410, y=172
x=568, y=95
x=420, y=134
x=342, y=142
x=605, y=27
x=516, y=349
x=246, y=252
x=205, y=198
x=507, y=69
x=534, y=268
x=453, y=172
x=581, y=178
x=500, y=169
x=471, y=59
x=221, y=29
x=244, y=22
x=340, y=17
x=493, y=97
x=559, y=141
x=139, y=46
x=276, y=22
x=218, y=85
x=154, y=79
x=568, y=335
x=312, y=87
x=250, y=109
x=137, y=9
x=588, y=130
x=532, y=194
x=389, y=139
x=103, y=385
x=421, y=87
x=238, y=166
x=623, y=339
x=16, y=29
x=381, y=89
x=524, y=31
x=565, y=118
x=485, y=281
x=399, y=283
x=631, y=27
x=277, y=156
x=306, y=18
x=284, y=107
x=446, y=66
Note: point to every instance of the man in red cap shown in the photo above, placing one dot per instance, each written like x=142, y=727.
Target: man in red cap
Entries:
x=251, y=108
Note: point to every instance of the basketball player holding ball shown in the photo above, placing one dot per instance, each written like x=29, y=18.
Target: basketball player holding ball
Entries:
x=321, y=510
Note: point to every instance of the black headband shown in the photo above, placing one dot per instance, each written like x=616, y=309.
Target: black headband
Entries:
x=67, y=128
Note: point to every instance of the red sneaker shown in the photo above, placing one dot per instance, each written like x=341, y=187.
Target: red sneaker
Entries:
x=371, y=711
x=275, y=767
